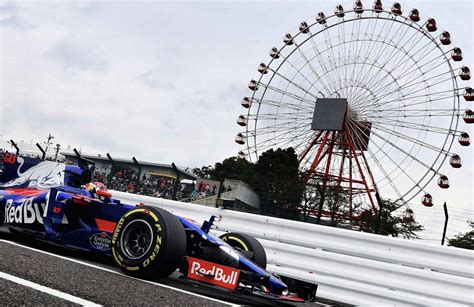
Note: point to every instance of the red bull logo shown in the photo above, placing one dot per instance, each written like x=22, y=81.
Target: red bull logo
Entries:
x=212, y=273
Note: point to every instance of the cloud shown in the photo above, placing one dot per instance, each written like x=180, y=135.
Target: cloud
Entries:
x=74, y=56
x=156, y=79
x=10, y=16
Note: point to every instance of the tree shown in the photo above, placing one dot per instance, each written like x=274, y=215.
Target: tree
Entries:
x=465, y=240
x=203, y=172
x=335, y=204
x=230, y=168
x=233, y=168
x=390, y=221
x=310, y=201
x=277, y=178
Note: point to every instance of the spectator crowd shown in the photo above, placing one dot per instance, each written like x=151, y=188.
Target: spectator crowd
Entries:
x=126, y=180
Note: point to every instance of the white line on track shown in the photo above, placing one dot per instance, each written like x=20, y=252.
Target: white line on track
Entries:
x=118, y=273
x=38, y=287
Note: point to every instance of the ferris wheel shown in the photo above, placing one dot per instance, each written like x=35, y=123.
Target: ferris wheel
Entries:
x=372, y=99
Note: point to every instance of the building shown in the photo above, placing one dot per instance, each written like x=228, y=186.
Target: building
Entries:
x=148, y=169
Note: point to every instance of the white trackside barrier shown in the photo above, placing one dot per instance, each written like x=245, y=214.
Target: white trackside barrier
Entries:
x=349, y=266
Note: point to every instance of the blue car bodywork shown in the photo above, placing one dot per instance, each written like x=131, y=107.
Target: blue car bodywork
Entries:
x=47, y=201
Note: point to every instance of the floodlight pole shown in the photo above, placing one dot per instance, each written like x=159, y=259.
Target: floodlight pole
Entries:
x=16, y=147
x=112, y=168
x=58, y=147
x=139, y=171
x=177, y=182
x=379, y=216
x=42, y=151
x=446, y=217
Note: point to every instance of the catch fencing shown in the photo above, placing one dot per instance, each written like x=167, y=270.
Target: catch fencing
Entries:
x=351, y=267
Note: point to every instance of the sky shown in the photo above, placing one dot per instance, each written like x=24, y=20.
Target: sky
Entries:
x=162, y=81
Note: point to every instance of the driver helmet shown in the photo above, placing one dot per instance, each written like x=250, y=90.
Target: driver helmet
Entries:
x=96, y=188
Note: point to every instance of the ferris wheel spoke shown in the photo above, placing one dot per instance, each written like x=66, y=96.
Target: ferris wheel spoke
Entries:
x=375, y=82
x=293, y=83
x=409, y=101
x=298, y=71
x=415, y=126
x=330, y=46
x=408, y=44
x=404, y=151
x=275, y=127
x=398, y=58
x=434, y=81
x=386, y=175
x=380, y=87
x=286, y=93
x=389, y=56
x=282, y=138
x=385, y=83
x=266, y=134
x=332, y=74
x=405, y=66
x=277, y=115
x=378, y=52
x=297, y=141
x=356, y=61
x=420, y=64
x=368, y=51
x=285, y=105
x=410, y=139
x=409, y=83
x=417, y=113
x=288, y=125
x=313, y=70
x=356, y=46
x=415, y=100
x=341, y=40
x=317, y=54
x=397, y=166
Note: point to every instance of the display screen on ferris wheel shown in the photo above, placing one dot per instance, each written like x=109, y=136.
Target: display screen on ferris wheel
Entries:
x=403, y=90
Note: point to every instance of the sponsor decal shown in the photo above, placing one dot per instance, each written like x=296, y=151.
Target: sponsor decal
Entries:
x=104, y=225
x=9, y=159
x=25, y=213
x=212, y=273
x=24, y=191
x=117, y=230
x=101, y=241
x=155, y=252
x=45, y=174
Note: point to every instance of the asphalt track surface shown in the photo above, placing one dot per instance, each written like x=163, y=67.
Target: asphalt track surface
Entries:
x=34, y=272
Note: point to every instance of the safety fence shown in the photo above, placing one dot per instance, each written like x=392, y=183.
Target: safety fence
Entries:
x=349, y=266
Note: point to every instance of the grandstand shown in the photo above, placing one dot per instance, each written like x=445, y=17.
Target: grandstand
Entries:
x=148, y=178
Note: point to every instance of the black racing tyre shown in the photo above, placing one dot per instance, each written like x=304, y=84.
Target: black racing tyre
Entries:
x=248, y=245
x=148, y=242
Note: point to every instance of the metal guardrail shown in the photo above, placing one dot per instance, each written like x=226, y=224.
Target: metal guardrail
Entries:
x=349, y=266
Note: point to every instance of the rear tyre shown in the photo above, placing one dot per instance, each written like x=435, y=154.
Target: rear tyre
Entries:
x=247, y=245
x=148, y=242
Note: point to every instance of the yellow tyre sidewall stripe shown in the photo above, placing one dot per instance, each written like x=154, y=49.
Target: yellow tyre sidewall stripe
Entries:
x=244, y=246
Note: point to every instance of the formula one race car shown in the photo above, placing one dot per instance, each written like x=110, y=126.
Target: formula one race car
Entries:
x=59, y=204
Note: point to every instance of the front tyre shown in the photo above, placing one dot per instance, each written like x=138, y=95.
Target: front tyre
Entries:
x=148, y=242
x=247, y=245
